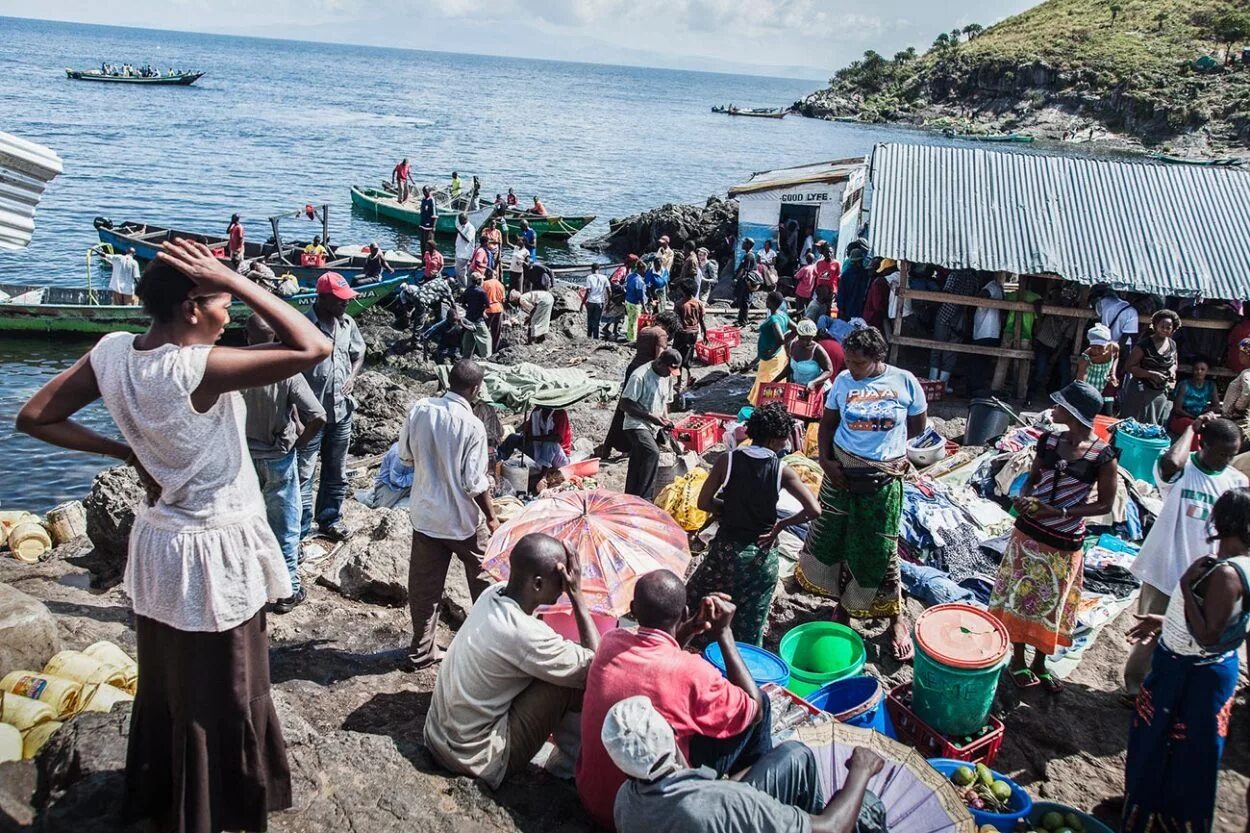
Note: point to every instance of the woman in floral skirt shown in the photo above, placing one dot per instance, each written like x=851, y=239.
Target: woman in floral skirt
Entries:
x=1039, y=583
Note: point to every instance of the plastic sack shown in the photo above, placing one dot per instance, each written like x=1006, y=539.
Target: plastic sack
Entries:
x=680, y=500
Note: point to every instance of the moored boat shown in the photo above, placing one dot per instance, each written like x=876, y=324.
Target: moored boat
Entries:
x=1018, y=138
x=1226, y=162
x=178, y=79
x=382, y=203
x=77, y=311
x=282, y=258
x=754, y=112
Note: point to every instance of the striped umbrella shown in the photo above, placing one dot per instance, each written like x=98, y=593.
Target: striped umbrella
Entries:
x=620, y=538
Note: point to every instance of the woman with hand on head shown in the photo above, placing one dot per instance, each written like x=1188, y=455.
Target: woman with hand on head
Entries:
x=206, y=750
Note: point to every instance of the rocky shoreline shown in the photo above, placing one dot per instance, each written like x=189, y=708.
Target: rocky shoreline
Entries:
x=353, y=719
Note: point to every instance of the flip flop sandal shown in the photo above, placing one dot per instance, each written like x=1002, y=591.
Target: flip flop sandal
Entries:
x=1024, y=678
x=1050, y=682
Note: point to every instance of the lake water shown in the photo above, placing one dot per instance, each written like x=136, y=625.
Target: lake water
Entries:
x=277, y=124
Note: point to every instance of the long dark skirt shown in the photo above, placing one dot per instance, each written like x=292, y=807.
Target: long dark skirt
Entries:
x=206, y=752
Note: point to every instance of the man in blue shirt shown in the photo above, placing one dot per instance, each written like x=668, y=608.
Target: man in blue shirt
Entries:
x=657, y=284
x=528, y=238
x=635, y=297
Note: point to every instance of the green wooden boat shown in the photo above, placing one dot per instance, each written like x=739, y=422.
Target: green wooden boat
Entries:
x=79, y=312
x=380, y=203
x=1017, y=138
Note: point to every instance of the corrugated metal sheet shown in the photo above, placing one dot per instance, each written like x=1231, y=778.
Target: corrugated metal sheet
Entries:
x=835, y=170
x=1166, y=229
x=25, y=170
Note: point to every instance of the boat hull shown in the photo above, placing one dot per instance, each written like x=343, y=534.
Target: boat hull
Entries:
x=185, y=80
x=85, y=319
x=381, y=204
x=147, y=244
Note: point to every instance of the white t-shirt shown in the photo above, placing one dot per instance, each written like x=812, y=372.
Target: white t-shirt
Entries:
x=987, y=323
x=596, y=288
x=465, y=247
x=125, y=274
x=1118, y=316
x=1179, y=536
x=496, y=654
x=768, y=256
x=520, y=256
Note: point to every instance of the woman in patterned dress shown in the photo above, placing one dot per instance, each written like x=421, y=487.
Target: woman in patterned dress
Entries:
x=1039, y=583
x=742, y=491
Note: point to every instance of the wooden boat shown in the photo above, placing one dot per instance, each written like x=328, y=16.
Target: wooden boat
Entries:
x=74, y=312
x=1226, y=162
x=181, y=79
x=1018, y=138
x=381, y=203
x=756, y=112
x=282, y=258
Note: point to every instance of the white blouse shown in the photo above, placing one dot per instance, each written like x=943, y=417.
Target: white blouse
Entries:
x=203, y=558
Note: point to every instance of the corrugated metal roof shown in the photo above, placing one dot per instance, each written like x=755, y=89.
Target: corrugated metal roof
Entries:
x=25, y=170
x=834, y=170
x=1143, y=227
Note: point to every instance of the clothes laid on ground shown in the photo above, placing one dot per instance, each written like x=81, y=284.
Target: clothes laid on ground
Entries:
x=515, y=386
x=498, y=652
x=1179, y=536
x=684, y=688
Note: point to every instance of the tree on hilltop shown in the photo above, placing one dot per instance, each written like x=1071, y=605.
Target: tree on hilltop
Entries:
x=1115, y=8
x=1230, y=29
x=973, y=30
x=906, y=55
x=942, y=41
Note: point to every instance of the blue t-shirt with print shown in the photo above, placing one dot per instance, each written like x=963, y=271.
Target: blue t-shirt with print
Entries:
x=874, y=412
x=635, y=289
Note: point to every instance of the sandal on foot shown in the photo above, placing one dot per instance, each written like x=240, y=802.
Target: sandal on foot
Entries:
x=1049, y=682
x=1024, y=678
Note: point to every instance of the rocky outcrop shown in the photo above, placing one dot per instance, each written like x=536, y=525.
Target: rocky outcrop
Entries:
x=115, y=494
x=28, y=634
x=711, y=225
x=373, y=565
x=382, y=404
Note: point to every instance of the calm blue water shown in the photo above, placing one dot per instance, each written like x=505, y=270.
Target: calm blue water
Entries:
x=278, y=124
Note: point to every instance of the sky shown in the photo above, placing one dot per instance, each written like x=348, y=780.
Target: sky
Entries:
x=795, y=38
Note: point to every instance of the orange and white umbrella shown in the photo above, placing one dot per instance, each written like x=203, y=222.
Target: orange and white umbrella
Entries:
x=620, y=538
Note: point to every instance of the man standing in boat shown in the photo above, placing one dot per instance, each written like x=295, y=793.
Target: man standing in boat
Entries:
x=235, y=242
x=429, y=216
x=402, y=177
x=124, y=278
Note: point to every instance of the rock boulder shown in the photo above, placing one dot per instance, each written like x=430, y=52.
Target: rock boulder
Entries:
x=382, y=404
x=710, y=225
x=115, y=493
x=28, y=634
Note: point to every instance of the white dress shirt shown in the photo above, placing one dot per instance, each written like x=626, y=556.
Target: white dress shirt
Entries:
x=446, y=446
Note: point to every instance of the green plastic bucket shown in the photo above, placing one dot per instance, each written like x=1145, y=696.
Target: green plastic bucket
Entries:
x=819, y=653
x=960, y=651
x=1138, y=456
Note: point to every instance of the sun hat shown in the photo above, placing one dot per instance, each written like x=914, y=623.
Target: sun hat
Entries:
x=332, y=283
x=887, y=263
x=1080, y=399
x=1099, y=334
x=639, y=740
x=807, y=328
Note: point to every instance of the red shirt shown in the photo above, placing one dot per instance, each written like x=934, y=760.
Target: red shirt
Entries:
x=837, y=359
x=433, y=264
x=878, y=302
x=235, y=243
x=401, y=171
x=685, y=688
x=827, y=273
x=512, y=199
x=1233, y=358
x=805, y=282
x=480, y=261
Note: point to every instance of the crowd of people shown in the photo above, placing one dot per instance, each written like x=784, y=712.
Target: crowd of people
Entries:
x=243, y=451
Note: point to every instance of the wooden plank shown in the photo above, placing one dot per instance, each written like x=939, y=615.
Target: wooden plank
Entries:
x=931, y=344
x=904, y=268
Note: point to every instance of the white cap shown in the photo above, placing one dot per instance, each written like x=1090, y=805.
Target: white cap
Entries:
x=639, y=739
x=1099, y=334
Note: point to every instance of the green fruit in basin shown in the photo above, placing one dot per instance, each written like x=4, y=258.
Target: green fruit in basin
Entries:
x=963, y=776
x=984, y=775
x=1052, y=820
x=1074, y=821
x=1001, y=790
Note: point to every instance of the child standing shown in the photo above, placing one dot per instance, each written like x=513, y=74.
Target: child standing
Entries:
x=1097, y=365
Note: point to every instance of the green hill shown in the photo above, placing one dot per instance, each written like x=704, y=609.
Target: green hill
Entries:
x=1069, y=69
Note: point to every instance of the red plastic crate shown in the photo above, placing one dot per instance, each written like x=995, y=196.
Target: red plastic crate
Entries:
x=698, y=432
x=913, y=731
x=799, y=401
x=727, y=334
x=934, y=389
x=712, y=352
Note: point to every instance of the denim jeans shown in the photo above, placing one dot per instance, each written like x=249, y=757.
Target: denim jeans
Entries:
x=279, y=485
x=330, y=447
x=594, y=314
x=728, y=755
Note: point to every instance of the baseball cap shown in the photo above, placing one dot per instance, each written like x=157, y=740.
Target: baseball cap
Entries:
x=332, y=283
x=1099, y=334
x=639, y=740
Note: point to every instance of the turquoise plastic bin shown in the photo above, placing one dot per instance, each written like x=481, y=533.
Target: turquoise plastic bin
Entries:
x=1138, y=456
x=859, y=701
